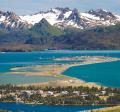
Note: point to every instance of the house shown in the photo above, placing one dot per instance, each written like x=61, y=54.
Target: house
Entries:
x=50, y=93
x=26, y=93
x=103, y=92
x=111, y=94
x=56, y=94
x=84, y=95
x=64, y=92
x=40, y=92
x=76, y=93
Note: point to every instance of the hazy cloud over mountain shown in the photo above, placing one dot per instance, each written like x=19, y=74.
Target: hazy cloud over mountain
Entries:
x=31, y=6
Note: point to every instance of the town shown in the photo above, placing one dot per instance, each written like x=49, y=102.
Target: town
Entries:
x=60, y=95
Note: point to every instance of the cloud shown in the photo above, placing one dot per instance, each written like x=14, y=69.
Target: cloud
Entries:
x=31, y=6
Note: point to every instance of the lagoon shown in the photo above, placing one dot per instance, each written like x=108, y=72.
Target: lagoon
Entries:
x=104, y=73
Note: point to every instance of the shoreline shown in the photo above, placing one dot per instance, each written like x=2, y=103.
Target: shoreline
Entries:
x=57, y=71
x=32, y=103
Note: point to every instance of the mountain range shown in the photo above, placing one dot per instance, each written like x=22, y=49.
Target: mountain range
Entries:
x=60, y=17
x=59, y=28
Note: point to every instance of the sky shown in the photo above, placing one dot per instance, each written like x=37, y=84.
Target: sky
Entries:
x=22, y=7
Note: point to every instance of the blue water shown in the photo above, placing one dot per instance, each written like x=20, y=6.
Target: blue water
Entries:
x=105, y=73
x=24, y=79
x=44, y=108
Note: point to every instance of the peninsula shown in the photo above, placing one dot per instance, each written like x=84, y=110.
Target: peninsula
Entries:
x=56, y=70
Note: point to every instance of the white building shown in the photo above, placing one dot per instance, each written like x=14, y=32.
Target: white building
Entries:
x=64, y=92
x=50, y=93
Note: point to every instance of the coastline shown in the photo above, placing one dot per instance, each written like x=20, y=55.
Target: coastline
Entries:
x=57, y=71
x=109, y=106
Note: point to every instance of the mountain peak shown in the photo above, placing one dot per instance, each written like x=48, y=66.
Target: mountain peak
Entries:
x=66, y=9
x=41, y=25
x=75, y=15
x=11, y=21
x=44, y=21
x=106, y=15
x=98, y=10
x=45, y=29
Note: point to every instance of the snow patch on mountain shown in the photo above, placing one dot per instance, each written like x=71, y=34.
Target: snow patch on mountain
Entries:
x=51, y=16
x=89, y=16
x=65, y=17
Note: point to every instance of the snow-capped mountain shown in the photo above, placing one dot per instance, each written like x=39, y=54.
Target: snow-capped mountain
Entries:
x=11, y=21
x=60, y=17
x=65, y=17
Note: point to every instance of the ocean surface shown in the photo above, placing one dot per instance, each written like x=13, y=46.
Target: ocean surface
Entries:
x=107, y=74
x=44, y=108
